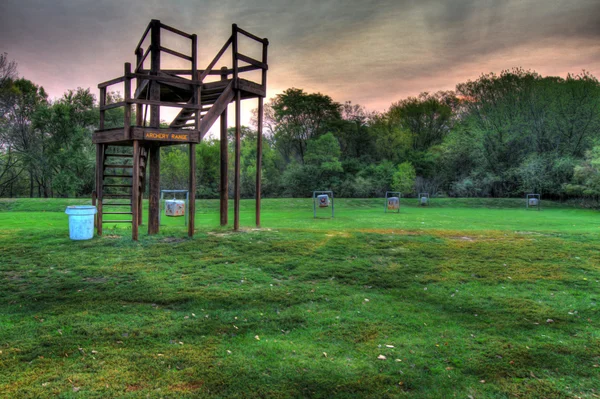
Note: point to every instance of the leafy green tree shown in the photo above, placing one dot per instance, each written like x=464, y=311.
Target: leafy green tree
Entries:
x=429, y=118
x=208, y=168
x=21, y=100
x=526, y=123
x=64, y=128
x=298, y=117
x=174, y=167
x=586, y=177
x=357, y=140
x=404, y=178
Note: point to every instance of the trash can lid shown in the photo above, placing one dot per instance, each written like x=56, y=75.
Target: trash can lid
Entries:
x=81, y=210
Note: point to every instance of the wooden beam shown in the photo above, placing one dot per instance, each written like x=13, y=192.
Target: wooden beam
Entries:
x=138, y=83
x=264, y=60
x=198, y=86
x=176, y=31
x=192, y=188
x=234, y=53
x=106, y=107
x=127, y=111
x=251, y=36
x=140, y=63
x=154, y=69
x=145, y=34
x=99, y=182
x=175, y=53
x=238, y=131
x=216, y=110
x=224, y=186
x=102, y=103
x=214, y=61
x=252, y=61
x=163, y=77
x=154, y=191
x=158, y=103
x=251, y=87
x=144, y=151
x=259, y=158
x=135, y=191
x=95, y=203
x=111, y=82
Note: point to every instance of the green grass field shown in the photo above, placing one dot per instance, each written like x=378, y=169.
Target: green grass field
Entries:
x=466, y=299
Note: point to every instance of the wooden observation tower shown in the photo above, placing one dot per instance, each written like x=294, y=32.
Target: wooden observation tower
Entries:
x=202, y=96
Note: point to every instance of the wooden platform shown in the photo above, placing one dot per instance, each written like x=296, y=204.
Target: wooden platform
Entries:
x=162, y=136
x=125, y=154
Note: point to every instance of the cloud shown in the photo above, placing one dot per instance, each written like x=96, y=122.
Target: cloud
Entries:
x=370, y=52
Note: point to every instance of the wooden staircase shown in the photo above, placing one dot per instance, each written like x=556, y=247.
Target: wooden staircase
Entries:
x=202, y=95
x=117, y=185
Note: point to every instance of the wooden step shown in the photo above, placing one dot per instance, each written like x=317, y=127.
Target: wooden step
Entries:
x=116, y=204
x=117, y=195
x=127, y=176
x=119, y=155
x=117, y=221
x=118, y=166
x=118, y=185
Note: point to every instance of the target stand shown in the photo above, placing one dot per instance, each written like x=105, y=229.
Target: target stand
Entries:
x=392, y=201
x=534, y=201
x=321, y=199
x=424, y=199
x=174, y=192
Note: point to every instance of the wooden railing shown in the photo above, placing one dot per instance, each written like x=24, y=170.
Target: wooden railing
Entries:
x=196, y=76
x=156, y=25
x=237, y=57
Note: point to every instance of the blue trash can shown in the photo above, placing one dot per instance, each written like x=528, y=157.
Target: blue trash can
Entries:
x=81, y=221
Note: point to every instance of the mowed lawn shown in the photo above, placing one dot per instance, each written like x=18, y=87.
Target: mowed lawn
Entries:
x=466, y=299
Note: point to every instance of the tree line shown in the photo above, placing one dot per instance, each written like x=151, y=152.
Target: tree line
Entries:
x=500, y=135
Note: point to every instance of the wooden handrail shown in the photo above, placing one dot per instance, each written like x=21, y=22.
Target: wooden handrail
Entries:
x=111, y=82
x=175, y=53
x=175, y=30
x=112, y=105
x=144, y=36
x=215, y=60
x=166, y=79
x=149, y=102
x=164, y=104
x=251, y=36
x=252, y=61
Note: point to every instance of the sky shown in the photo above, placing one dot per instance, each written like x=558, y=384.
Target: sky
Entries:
x=372, y=53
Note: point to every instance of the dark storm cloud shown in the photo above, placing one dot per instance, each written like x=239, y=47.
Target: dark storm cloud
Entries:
x=370, y=52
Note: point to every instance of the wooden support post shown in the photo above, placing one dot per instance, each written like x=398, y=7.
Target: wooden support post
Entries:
x=154, y=192
x=192, y=196
x=99, y=184
x=127, y=95
x=138, y=107
x=259, y=132
x=94, y=202
x=143, y=151
x=264, y=60
x=140, y=205
x=236, y=200
x=224, y=161
x=234, y=54
x=198, y=88
x=154, y=69
x=102, y=103
x=135, y=191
